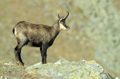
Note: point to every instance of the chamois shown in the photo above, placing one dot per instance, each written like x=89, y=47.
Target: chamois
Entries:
x=37, y=35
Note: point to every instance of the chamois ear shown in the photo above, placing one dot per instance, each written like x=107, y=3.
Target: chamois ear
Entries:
x=58, y=16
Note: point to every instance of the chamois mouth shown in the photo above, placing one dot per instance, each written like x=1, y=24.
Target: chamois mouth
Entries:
x=68, y=28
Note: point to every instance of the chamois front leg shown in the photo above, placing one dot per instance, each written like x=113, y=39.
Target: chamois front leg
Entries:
x=43, y=50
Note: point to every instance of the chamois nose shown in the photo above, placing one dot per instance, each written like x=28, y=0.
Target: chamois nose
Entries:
x=68, y=28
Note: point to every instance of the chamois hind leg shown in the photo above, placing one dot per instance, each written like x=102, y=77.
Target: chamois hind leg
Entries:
x=17, y=51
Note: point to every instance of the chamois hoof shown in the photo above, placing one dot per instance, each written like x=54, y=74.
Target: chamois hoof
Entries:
x=19, y=63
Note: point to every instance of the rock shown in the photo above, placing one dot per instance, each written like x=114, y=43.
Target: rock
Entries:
x=64, y=69
x=31, y=74
x=117, y=77
x=102, y=26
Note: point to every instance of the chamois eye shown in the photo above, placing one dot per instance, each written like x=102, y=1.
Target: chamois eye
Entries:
x=62, y=21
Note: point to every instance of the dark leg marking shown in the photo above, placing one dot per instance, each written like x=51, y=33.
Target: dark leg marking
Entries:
x=43, y=50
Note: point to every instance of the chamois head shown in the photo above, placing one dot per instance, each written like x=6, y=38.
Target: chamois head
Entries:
x=62, y=23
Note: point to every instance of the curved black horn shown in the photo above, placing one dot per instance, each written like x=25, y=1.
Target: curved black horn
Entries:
x=58, y=16
x=66, y=16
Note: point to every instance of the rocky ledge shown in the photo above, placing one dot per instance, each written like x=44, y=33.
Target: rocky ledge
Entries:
x=64, y=69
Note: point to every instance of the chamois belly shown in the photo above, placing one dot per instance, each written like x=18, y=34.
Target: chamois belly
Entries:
x=38, y=44
x=34, y=44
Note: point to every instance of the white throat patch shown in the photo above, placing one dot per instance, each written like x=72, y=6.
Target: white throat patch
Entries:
x=62, y=27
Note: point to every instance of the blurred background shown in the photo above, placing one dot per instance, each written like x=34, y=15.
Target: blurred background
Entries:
x=94, y=33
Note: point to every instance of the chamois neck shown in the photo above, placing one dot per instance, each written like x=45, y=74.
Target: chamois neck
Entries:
x=55, y=26
x=55, y=29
